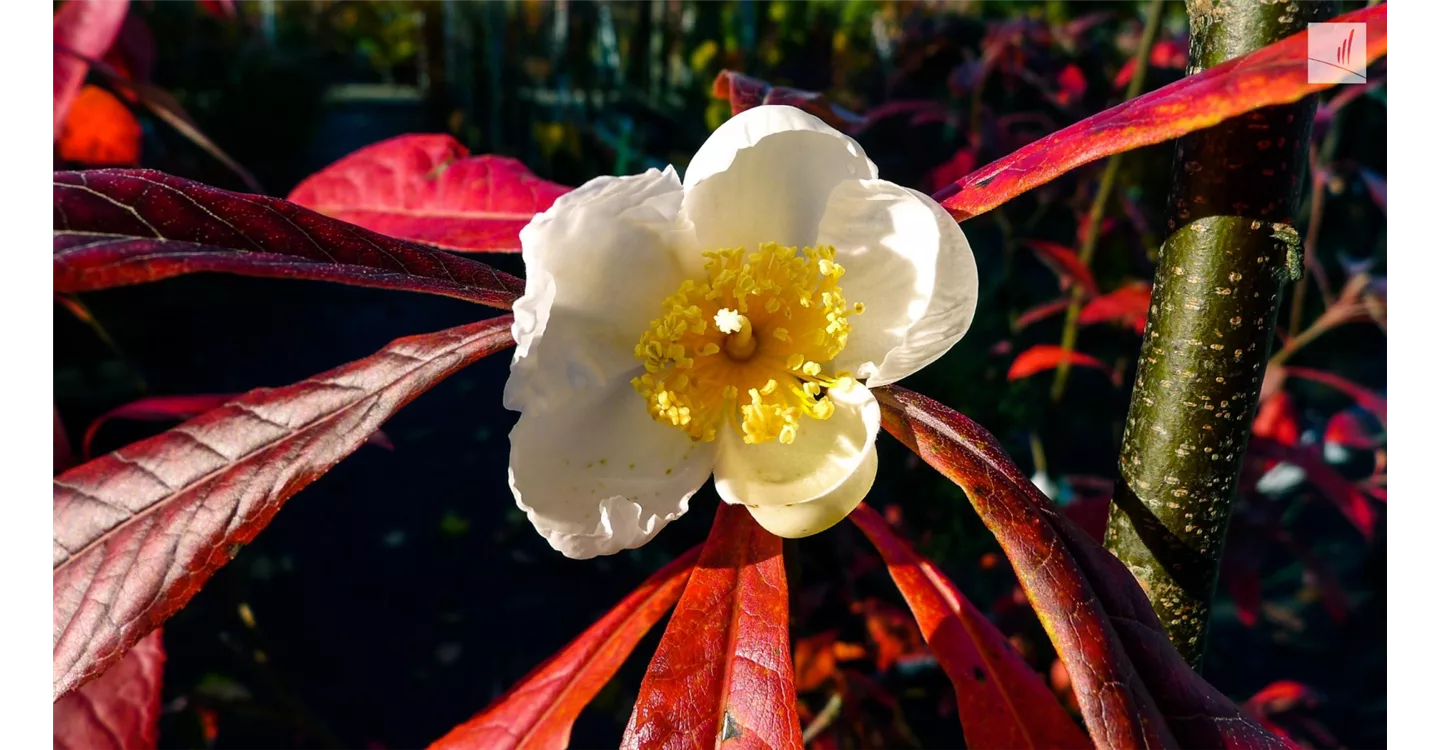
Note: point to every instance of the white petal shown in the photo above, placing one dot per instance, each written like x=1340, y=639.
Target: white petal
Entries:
x=598, y=264
x=764, y=176
x=804, y=519
x=825, y=454
x=600, y=475
x=908, y=262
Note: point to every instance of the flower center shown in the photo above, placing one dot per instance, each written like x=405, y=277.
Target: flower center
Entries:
x=746, y=344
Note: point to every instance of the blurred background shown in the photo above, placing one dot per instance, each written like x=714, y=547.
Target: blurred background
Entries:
x=404, y=591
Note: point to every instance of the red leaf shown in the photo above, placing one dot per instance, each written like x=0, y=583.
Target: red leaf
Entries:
x=1066, y=265
x=538, y=712
x=88, y=28
x=1134, y=688
x=100, y=130
x=155, y=409
x=1091, y=514
x=138, y=531
x=1240, y=573
x=722, y=673
x=133, y=52
x=117, y=227
x=1042, y=357
x=1072, y=85
x=1348, y=429
x=1281, y=695
x=1276, y=74
x=1041, y=312
x=222, y=9
x=1276, y=420
x=64, y=457
x=428, y=188
x=1127, y=306
x=120, y=710
x=1003, y=702
x=1364, y=397
x=744, y=92
x=1351, y=502
x=961, y=164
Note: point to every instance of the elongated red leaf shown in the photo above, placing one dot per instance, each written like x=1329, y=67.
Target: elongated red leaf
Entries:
x=722, y=675
x=1066, y=264
x=89, y=28
x=1041, y=312
x=1127, y=306
x=119, y=710
x=1333, y=485
x=1003, y=702
x=137, y=532
x=115, y=227
x=538, y=712
x=1364, y=397
x=430, y=189
x=1042, y=357
x=156, y=408
x=744, y=92
x=1277, y=74
x=1134, y=688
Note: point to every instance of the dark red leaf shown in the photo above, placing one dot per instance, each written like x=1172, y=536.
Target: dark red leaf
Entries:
x=744, y=92
x=119, y=227
x=1041, y=312
x=1351, y=502
x=1090, y=514
x=1277, y=74
x=1240, y=574
x=133, y=52
x=100, y=130
x=1003, y=702
x=1066, y=265
x=722, y=673
x=428, y=188
x=222, y=9
x=64, y=457
x=1364, y=397
x=1127, y=306
x=119, y=710
x=538, y=712
x=1042, y=357
x=88, y=28
x=138, y=531
x=1134, y=688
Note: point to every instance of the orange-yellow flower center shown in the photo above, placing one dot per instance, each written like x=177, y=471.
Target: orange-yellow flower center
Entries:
x=747, y=343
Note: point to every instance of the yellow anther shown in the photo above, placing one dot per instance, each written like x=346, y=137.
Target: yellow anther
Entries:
x=778, y=315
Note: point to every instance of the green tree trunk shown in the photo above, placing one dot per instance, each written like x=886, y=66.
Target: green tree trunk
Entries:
x=1232, y=244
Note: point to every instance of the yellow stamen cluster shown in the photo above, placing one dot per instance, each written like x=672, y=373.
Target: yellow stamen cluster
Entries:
x=746, y=344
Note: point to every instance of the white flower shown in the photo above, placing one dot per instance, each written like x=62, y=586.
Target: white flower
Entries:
x=726, y=325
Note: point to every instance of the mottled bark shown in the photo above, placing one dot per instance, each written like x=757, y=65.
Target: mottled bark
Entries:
x=1233, y=199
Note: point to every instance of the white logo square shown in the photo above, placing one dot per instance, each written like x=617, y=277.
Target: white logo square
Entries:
x=1337, y=53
